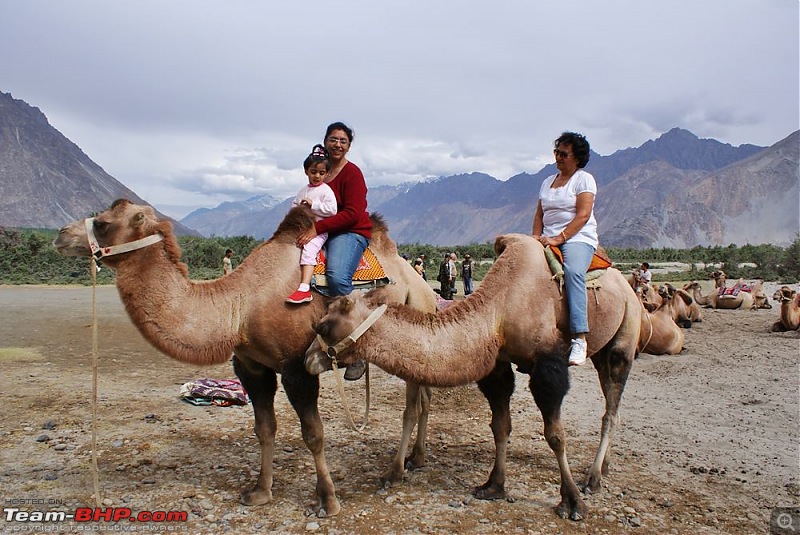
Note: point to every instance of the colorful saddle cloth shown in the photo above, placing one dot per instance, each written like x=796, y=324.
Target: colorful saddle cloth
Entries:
x=368, y=274
x=733, y=291
x=220, y=392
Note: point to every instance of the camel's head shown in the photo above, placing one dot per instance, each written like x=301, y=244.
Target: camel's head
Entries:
x=344, y=315
x=124, y=222
x=784, y=293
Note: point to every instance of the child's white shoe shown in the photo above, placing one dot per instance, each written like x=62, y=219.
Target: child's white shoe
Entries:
x=577, y=354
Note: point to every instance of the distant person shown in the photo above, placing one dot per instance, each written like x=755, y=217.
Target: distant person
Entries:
x=564, y=218
x=466, y=274
x=227, y=263
x=643, y=275
x=451, y=264
x=418, y=267
x=319, y=197
x=445, y=290
x=422, y=272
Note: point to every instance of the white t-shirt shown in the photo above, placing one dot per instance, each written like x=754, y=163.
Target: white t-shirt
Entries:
x=323, y=200
x=559, y=207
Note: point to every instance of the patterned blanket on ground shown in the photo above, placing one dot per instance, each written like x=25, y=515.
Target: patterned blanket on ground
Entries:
x=220, y=392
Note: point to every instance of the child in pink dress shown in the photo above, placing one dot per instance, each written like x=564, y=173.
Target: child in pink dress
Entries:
x=318, y=196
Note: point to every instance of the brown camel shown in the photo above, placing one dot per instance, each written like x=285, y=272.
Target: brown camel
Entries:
x=790, y=310
x=660, y=334
x=523, y=322
x=685, y=310
x=743, y=300
x=243, y=314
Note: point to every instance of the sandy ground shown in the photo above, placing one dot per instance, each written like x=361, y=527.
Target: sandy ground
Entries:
x=708, y=441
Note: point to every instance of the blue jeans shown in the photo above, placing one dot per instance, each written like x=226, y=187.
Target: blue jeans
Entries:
x=467, y=285
x=577, y=257
x=343, y=253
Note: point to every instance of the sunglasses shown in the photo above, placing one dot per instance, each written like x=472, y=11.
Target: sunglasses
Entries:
x=562, y=153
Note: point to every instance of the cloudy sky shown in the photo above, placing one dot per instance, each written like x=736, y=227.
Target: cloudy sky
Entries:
x=194, y=102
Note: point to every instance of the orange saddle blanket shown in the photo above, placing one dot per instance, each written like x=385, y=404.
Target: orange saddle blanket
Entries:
x=599, y=261
x=369, y=269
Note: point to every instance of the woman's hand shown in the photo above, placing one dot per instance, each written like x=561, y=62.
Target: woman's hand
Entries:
x=553, y=241
x=306, y=236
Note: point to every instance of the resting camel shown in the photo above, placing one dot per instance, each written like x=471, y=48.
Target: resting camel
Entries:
x=685, y=310
x=790, y=310
x=660, y=334
x=243, y=314
x=517, y=316
x=743, y=300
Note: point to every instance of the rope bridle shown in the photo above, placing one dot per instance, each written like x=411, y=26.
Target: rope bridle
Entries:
x=334, y=350
x=99, y=252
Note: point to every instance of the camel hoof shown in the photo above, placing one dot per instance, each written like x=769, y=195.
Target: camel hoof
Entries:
x=317, y=362
x=414, y=462
x=255, y=496
x=324, y=511
x=490, y=492
x=391, y=478
x=575, y=513
x=592, y=485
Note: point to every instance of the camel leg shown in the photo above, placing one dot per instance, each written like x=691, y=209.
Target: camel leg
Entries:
x=261, y=384
x=549, y=384
x=612, y=370
x=497, y=388
x=302, y=389
x=414, y=415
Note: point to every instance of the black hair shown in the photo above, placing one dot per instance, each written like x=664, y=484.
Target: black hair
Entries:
x=646, y=265
x=338, y=125
x=318, y=154
x=228, y=251
x=580, y=146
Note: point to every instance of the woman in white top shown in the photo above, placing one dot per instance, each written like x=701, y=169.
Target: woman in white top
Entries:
x=565, y=219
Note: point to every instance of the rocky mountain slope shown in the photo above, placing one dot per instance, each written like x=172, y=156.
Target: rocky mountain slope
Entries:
x=45, y=179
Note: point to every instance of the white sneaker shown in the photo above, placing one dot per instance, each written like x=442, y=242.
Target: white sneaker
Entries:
x=577, y=354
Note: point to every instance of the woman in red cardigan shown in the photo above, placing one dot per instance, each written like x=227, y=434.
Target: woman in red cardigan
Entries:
x=350, y=230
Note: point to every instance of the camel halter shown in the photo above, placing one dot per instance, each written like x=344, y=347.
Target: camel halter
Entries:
x=334, y=350
x=100, y=252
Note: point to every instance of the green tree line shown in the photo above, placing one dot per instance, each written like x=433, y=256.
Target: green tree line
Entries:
x=28, y=257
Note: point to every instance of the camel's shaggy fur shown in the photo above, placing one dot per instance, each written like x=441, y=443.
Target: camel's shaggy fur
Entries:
x=516, y=316
x=243, y=315
x=790, y=310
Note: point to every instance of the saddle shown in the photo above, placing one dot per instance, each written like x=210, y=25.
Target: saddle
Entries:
x=597, y=267
x=369, y=273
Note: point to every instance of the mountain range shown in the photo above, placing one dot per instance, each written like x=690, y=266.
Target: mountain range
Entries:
x=673, y=191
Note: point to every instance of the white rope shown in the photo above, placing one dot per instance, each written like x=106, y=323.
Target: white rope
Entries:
x=95, y=475
x=340, y=384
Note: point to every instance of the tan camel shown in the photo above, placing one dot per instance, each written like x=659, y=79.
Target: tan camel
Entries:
x=243, y=314
x=743, y=300
x=516, y=316
x=649, y=293
x=685, y=310
x=660, y=335
x=790, y=310
x=719, y=278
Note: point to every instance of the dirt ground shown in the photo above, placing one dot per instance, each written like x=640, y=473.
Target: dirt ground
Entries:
x=707, y=443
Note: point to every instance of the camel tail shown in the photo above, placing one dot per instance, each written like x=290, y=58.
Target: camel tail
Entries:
x=549, y=382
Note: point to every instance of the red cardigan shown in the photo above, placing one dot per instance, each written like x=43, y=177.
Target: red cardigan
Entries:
x=351, y=199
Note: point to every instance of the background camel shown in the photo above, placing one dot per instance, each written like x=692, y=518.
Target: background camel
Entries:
x=660, y=334
x=516, y=316
x=743, y=300
x=685, y=310
x=790, y=310
x=243, y=314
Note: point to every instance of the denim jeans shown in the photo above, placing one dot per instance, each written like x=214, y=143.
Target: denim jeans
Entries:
x=343, y=253
x=577, y=257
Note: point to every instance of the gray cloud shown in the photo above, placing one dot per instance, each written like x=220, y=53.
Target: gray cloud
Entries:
x=190, y=103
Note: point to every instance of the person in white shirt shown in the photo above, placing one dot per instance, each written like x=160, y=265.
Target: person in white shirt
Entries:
x=319, y=197
x=564, y=218
x=227, y=264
